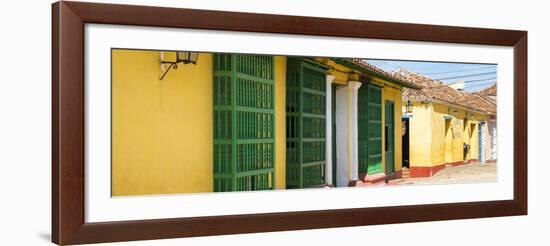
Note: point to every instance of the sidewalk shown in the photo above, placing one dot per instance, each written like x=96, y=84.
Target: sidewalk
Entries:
x=471, y=173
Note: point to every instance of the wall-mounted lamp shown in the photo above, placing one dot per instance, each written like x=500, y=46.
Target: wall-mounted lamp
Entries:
x=185, y=57
x=453, y=111
x=409, y=107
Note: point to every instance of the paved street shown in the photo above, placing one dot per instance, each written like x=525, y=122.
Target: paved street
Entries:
x=471, y=173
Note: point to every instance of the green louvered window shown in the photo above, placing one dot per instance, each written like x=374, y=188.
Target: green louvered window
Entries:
x=370, y=128
x=244, y=122
x=305, y=124
x=390, y=137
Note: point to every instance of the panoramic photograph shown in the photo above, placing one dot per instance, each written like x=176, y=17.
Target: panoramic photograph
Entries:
x=198, y=122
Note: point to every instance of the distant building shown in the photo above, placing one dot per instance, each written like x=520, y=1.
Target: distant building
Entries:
x=490, y=96
x=459, y=86
x=447, y=127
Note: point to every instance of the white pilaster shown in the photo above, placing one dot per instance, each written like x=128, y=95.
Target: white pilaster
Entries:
x=346, y=133
x=328, y=133
x=354, y=137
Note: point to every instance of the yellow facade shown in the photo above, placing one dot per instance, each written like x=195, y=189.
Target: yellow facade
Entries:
x=280, y=124
x=394, y=95
x=162, y=137
x=341, y=73
x=153, y=122
x=390, y=92
x=420, y=135
x=162, y=130
x=438, y=132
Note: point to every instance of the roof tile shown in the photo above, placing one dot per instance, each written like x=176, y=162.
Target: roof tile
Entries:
x=434, y=90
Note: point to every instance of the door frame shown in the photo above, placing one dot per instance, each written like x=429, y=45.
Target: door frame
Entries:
x=333, y=129
x=405, y=138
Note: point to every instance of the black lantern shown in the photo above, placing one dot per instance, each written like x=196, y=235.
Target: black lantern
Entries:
x=185, y=57
x=409, y=107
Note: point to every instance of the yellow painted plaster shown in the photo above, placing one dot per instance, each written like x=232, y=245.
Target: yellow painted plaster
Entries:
x=161, y=130
x=162, y=138
x=393, y=95
x=435, y=140
x=280, y=124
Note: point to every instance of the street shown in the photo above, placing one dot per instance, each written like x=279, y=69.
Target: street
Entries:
x=471, y=173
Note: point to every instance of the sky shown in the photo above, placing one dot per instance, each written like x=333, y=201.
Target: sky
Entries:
x=476, y=76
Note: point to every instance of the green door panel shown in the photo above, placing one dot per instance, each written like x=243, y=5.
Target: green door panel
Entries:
x=305, y=124
x=369, y=116
x=244, y=122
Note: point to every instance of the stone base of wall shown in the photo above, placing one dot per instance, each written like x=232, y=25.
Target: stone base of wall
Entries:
x=369, y=180
x=395, y=175
x=419, y=172
x=375, y=179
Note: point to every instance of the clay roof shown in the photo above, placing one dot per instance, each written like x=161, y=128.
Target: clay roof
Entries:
x=368, y=68
x=489, y=91
x=489, y=95
x=434, y=90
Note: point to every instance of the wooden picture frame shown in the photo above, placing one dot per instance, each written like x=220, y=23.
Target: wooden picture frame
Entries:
x=68, y=117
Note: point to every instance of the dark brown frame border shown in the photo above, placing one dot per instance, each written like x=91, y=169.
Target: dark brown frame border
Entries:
x=68, y=19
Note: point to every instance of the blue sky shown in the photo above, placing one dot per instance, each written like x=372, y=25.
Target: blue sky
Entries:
x=476, y=76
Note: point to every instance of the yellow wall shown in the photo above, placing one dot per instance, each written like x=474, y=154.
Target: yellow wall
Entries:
x=474, y=140
x=280, y=124
x=436, y=141
x=341, y=73
x=161, y=130
x=162, y=139
x=420, y=135
x=394, y=95
x=447, y=135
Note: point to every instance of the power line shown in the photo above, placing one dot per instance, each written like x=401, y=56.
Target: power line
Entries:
x=465, y=76
x=465, y=82
x=482, y=84
x=458, y=71
x=477, y=80
x=474, y=86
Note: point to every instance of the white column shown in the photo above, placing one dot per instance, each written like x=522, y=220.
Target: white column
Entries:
x=354, y=137
x=346, y=133
x=328, y=133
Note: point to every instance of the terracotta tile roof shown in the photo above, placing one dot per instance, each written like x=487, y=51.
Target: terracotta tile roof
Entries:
x=489, y=91
x=489, y=95
x=489, y=104
x=434, y=90
x=362, y=63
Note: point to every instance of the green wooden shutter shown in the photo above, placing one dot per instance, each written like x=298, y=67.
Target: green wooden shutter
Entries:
x=362, y=129
x=390, y=134
x=369, y=114
x=244, y=122
x=305, y=121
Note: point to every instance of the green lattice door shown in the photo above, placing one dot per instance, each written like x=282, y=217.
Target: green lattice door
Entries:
x=305, y=124
x=369, y=116
x=389, y=136
x=244, y=122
